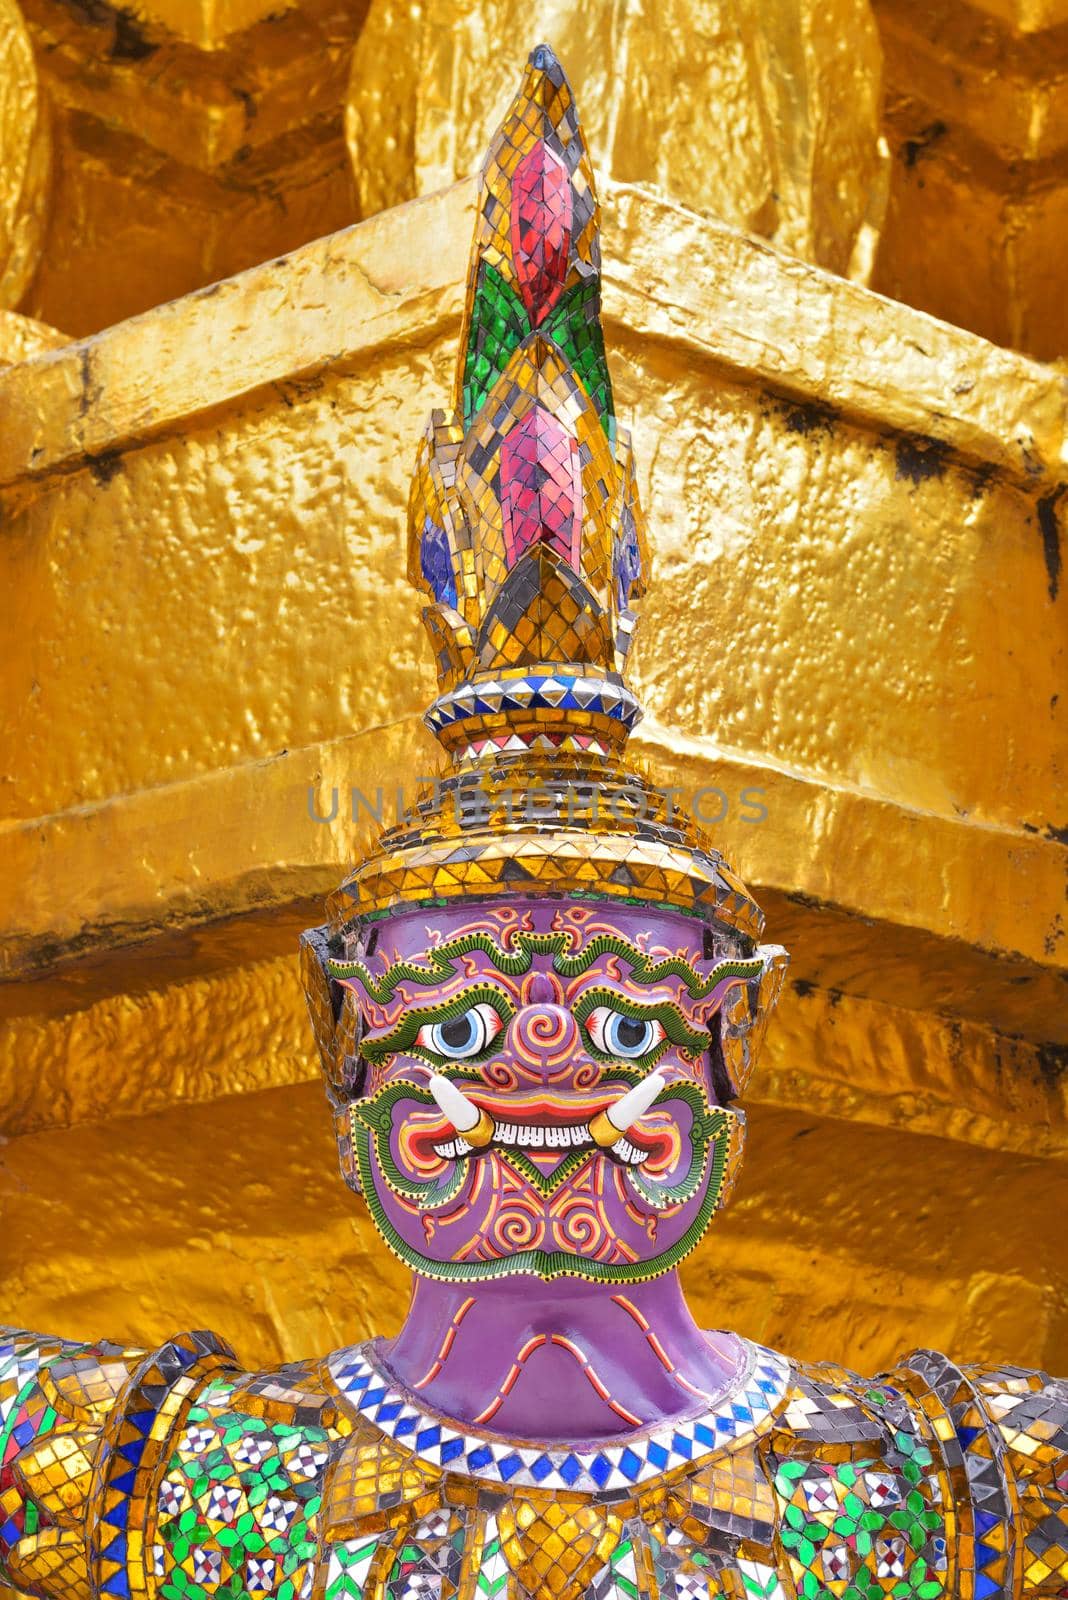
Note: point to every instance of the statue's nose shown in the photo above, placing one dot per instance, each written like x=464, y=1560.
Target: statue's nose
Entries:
x=544, y=1038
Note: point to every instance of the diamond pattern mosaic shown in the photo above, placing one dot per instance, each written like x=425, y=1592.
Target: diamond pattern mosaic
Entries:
x=613, y=1467
x=238, y=1502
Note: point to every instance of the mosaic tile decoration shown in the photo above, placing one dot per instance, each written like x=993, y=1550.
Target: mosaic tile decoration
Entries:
x=1030, y=1412
x=557, y=691
x=742, y=1414
x=527, y=539
x=857, y=1522
x=809, y=1483
x=237, y=1505
x=159, y=1389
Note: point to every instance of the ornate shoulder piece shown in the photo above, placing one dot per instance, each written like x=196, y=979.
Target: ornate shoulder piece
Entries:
x=82, y=1429
x=56, y=1401
x=1003, y=1432
x=1029, y=1413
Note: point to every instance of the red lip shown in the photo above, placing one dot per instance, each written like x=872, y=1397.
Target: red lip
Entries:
x=537, y=1105
x=536, y=1108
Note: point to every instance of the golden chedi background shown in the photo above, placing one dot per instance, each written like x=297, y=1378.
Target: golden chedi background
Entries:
x=233, y=241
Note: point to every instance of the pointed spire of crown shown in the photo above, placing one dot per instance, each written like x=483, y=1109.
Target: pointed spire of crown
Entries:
x=525, y=530
x=526, y=536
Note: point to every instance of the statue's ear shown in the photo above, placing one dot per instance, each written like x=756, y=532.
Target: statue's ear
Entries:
x=346, y=1155
x=322, y=994
x=335, y=1016
x=743, y=1019
x=336, y=1023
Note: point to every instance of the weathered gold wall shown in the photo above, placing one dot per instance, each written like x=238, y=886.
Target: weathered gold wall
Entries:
x=767, y=116
x=976, y=117
x=920, y=145
x=858, y=609
x=187, y=139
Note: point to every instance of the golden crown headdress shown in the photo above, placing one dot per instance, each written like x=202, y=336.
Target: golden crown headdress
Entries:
x=527, y=537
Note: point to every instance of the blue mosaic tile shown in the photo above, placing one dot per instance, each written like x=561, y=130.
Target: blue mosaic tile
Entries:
x=631, y=1461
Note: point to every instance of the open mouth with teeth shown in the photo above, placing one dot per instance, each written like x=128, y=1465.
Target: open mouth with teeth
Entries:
x=536, y=1137
x=545, y=1138
x=549, y=1127
x=478, y=1121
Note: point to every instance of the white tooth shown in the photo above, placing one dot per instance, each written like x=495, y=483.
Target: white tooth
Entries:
x=453, y=1103
x=539, y=1136
x=635, y=1101
x=505, y=1133
x=626, y=1151
x=557, y=1137
x=453, y=1148
x=581, y=1135
x=524, y=1136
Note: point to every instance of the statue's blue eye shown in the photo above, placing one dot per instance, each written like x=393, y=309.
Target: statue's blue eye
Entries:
x=614, y=1033
x=462, y=1036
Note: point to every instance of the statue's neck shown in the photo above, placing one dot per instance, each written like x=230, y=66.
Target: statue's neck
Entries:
x=568, y=1361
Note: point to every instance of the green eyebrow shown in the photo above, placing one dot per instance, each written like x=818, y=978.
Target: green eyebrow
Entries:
x=676, y=1030
x=513, y=963
x=404, y=1035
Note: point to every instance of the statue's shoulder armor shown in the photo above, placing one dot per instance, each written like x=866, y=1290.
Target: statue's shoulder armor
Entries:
x=1009, y=1452
x=113, y=1461
x=860, y=1497
x=60, y=1414
x=1030, y=1412
x=81, y=1429
x=1003, y=1436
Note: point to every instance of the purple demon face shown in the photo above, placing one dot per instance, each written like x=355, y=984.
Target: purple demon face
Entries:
x=535, y=1086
